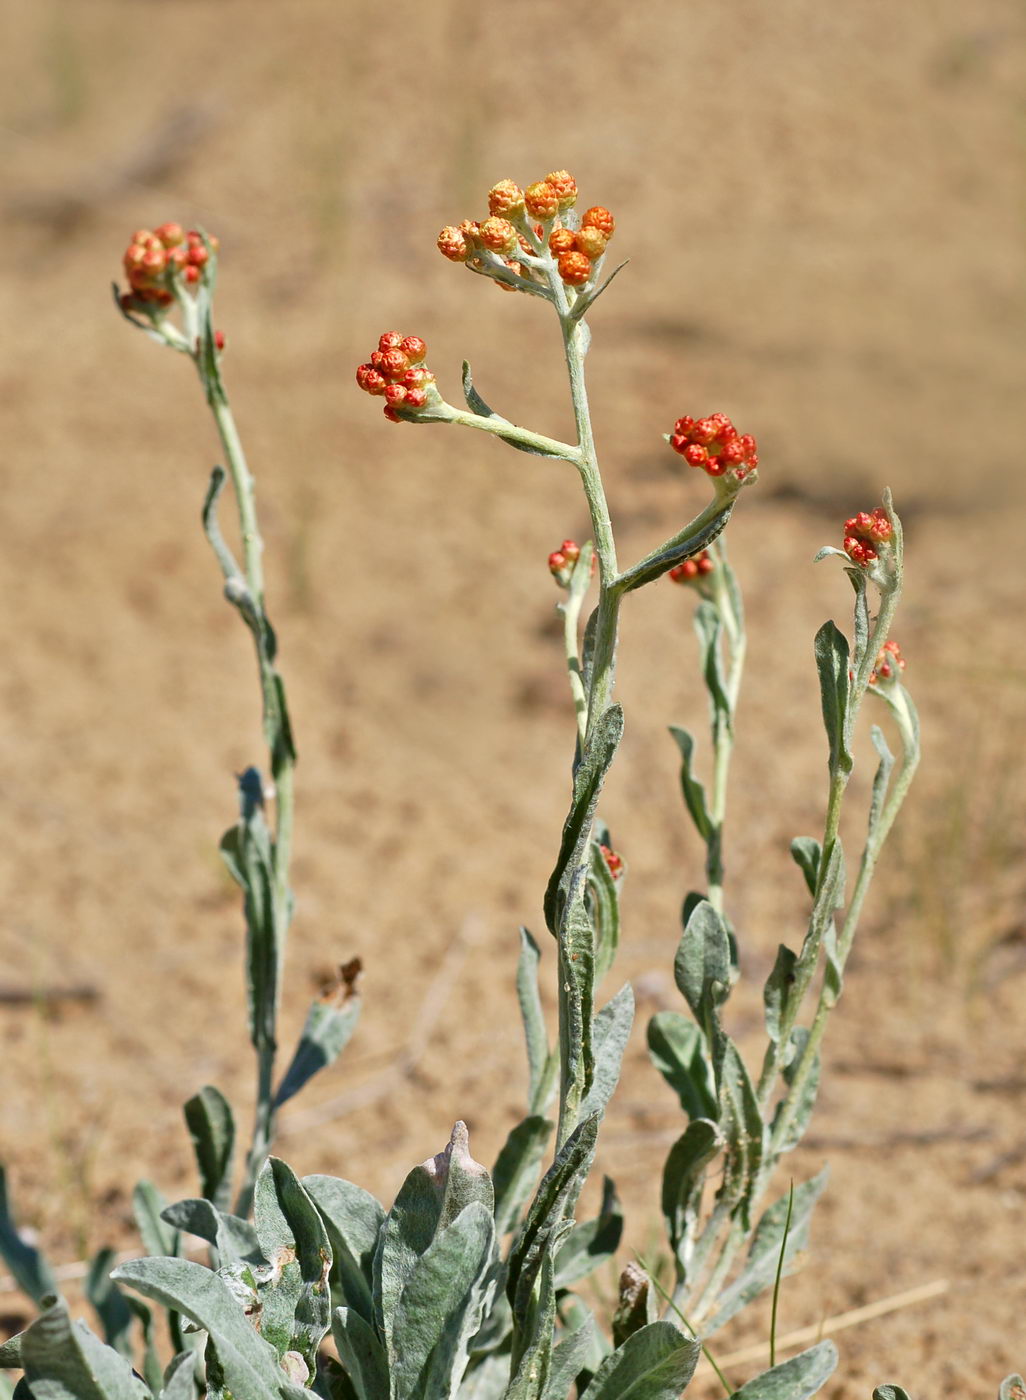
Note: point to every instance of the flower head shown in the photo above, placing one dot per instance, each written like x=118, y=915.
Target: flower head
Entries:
x=715, y=445
x=888, y=665
x=692, y=569
x=397, y=373
x=864, y=533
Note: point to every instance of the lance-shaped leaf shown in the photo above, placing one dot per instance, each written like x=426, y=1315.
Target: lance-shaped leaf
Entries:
x=110, y=1303
x=592, y=1242
x=777, y=991
x=596, y=758
x=158, y=1237
x=710, y=630
x=801, y=1111
x=553, y=1204
x=362, y=1354
x=655, y=1363
x=487, y=1379
x=330, y=1022
x=881, y=779
x=829, y=897
x=796, y=1379
x=760, y=1267
x=702, y=971
x=31, y=1272
x=743, y=1131
x=353, y=1219
x=180, y=1377
x=541, y=1064
x=570, y=1356
x=693, y=790
x=208, y=1116
x=247, y=852
x=683, y=1177
x=532, y=1351
x=832, y=661
x=604, y=904
x=440, y=1308
x=296, y=1310
x=430, y=1199
x=516, y=1169
x=477, y=405
x=234, y=1238
x=249, y=1364
x=678, y=1053
x=576, y=1005
x=806, y=852
x=612, y=1029
x=65, y=1361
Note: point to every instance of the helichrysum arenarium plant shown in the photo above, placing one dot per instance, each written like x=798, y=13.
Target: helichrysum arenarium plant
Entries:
x=468, y=1285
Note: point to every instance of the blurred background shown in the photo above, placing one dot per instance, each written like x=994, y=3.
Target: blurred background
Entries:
x=824, y=211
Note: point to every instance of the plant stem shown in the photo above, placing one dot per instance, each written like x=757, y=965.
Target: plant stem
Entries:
x=723, y=731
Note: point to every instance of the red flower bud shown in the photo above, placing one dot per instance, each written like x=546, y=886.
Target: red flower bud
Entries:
x=170, y=235
x=613, y=861
x=394, y=364
x=370, y=381
x=415, y=398
x=395, y=395
x=557, y=562
x=571, y=549
x=391, y=340
x=413, y=348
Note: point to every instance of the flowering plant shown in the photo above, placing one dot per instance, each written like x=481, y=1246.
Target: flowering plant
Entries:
x=470, y=1284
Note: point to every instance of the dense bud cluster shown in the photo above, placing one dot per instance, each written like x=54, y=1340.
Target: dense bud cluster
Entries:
x=563, y=559
x=692, y=569
x=715, y=445
x=864, y=533
x=397, y=373
x=889, y=663
x=542, y=211
x=614, y=861
x=158, y=260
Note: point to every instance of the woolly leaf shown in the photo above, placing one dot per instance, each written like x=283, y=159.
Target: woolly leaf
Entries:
x=676, y=1047
x=31, y=1272
x=797, y=1378
x=831, y=649
x=693, y=790
x=330, y=1022
x=516, y=1168
x=208, y=1116
x=654, y=1363
x=353, y=1219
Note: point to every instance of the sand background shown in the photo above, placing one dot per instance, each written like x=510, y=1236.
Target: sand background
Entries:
x=823, y=208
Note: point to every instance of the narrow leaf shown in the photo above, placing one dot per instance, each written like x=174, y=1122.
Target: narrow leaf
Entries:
x=330, y=1022
x=516, y=1169
x=677, y=1049
x=533, y=1019
x=693, y=790
x=683, y=1178
x=591, y=1243
x=831, y=649
x=65, y=1361
x=611, y=1032
x=208, y=1116
x=806, y=852
x=158, y=1237
x=32, y=1273
x=353, y=1219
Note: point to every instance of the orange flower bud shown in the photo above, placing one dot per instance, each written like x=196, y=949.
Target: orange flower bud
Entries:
x=591, y=242
x=541, y=200
x=506, y=198
x=574, y=268
x=562, y=240
x=170, y=235
x=499, y=235
x=453, y=245
x=600, y=218
x=565, y=186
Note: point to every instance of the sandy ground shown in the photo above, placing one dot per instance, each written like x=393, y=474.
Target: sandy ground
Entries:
x=823, y=208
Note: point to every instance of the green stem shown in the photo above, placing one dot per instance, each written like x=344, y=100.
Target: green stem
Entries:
x=281, y=755
x=723, y=731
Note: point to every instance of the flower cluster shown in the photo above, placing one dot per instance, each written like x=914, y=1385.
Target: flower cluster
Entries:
x=889, y=663
x=157, y=261
x=523, y=223
x=864, y=533
x=693, y=569
x=397, y=373
x=562, y=561
x=613, y=861
x=715, y=445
